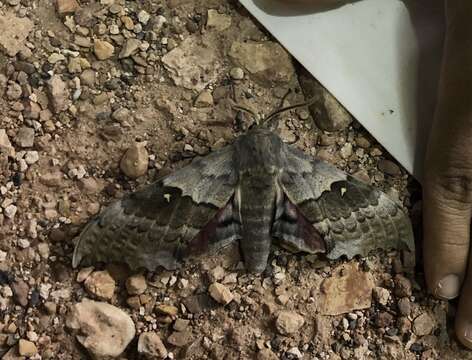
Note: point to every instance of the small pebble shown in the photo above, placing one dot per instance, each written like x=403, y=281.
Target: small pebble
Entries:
x=423, y=324
x=25, y=137
x=220, y=293
x=103, y=50
x=27, y=348
x=136, y=284
x=151, y=346
x=31, y=157
x=134, y=162
x=23, y=243
x=237, y=73
x=204, y=99
x=143, y=17
x=389, y=167
x=289, y=322
x=101, y=285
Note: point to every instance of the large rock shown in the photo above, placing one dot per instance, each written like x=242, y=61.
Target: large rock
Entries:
x=350, y=290
x=193, y=64
x=103, y=329
x=266, y=60
x=13, y=33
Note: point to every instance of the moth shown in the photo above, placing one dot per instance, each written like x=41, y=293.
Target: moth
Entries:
x=257, y=191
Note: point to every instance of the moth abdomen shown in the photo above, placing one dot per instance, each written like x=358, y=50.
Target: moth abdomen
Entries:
x=257, y=211
x=255, y=246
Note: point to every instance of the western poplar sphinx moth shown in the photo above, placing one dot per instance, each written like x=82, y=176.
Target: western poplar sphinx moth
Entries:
x=256, y=191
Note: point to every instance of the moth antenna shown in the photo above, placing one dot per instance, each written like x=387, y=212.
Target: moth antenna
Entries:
x=287, y=108
x=256, y=118
x=282, y=102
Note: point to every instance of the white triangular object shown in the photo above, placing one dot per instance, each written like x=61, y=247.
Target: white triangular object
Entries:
x=367, y=54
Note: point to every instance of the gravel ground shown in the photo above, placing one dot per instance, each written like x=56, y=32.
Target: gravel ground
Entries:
x=101, y=97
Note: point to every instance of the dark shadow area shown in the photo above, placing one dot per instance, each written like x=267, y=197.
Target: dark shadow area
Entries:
x=428, y=18
x=295, y=8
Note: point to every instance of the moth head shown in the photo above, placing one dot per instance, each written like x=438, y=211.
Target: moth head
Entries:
x=257, y=119
x=270, y=121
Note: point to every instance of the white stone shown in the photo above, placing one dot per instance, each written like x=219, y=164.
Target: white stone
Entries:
x=23, y=243
x=10, y=211
x=55, y=58
x=103, y=329
x=23, y=166
x=7, y=291
x=43, y=249
x=295, y=352
x=143, y=17
x=44, y=290
x=237, y=73
x=114, y=29
x=31, y=157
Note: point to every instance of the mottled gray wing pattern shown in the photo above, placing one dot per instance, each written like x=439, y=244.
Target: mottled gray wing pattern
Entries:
x=179, y=215
x=352, y=217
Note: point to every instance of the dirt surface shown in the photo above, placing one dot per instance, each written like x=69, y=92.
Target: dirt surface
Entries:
x=84, y=85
